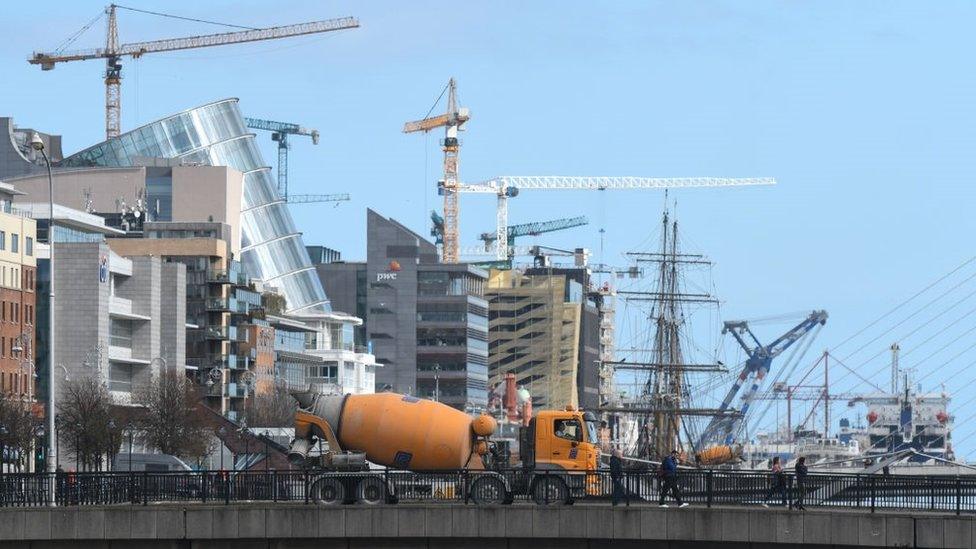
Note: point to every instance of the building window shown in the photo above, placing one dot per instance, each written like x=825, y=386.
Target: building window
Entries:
x=120, y=333
x=3, y=240
x=14, y=242
x=119, y=377
x=29, y=245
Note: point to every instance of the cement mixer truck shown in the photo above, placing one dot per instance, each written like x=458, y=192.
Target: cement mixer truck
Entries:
x=337, y=437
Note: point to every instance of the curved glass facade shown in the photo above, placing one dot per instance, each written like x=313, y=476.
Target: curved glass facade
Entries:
x=215, y=134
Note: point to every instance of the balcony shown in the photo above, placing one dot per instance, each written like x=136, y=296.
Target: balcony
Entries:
x=223, y=276
x=223, y=304
x=221, y=333
x=121, y=307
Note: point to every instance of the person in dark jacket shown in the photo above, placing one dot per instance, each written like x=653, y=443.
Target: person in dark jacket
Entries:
x=617, y=476
x=669, y=479
x=801, y=483
x=779, y=483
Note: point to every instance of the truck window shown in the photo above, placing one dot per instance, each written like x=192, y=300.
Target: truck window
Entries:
x=569, y=429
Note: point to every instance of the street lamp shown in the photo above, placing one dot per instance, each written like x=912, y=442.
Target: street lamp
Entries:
x=267, y=450
x=220, y=439
x=38, y=145
x=58, y=425
x=110, y=449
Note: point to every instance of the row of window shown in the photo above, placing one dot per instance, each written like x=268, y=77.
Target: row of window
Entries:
x=13, y=383
x=15, y=243
x=10, y=311
x=10, y=277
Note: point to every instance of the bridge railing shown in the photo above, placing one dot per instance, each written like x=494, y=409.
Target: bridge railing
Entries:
x=953, y=494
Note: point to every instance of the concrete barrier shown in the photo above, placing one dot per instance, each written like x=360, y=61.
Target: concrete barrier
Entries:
x=292, y=525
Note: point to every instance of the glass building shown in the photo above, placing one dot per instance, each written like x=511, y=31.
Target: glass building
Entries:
x=215, y=134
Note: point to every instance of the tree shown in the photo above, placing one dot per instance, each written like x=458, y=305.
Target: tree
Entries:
x=275, y=409
x=273, y=303
x=18, y=428
x=169, y=422
x=86, y=415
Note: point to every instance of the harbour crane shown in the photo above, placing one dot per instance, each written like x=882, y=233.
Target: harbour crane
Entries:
x=757, y=366
x=280, y=132
x=534, y=229
x=453, y=121
x=113, y=52
x=506, y=187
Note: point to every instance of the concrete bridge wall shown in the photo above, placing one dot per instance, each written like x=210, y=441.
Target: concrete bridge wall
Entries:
x=297, y=526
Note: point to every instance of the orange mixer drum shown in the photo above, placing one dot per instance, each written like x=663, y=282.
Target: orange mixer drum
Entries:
x=400, y=431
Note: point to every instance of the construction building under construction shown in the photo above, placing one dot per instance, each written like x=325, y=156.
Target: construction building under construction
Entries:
x=544, y=328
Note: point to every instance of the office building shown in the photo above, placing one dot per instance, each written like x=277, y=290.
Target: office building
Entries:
x=544, y=328
x=18, y=281
x=319, y=353
x=119, y=319
x=219, y=305
x=426, y=322
x=216, y=135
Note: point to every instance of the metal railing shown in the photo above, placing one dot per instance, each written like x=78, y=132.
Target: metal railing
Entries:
x=945, y=494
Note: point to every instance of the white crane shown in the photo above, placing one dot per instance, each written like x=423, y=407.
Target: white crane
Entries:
x=505, y=187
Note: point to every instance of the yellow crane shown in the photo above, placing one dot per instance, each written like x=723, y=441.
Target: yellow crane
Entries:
x=452, y=121
x=113, y=52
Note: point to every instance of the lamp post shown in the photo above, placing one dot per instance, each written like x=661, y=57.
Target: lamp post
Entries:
x=3, y=448
x=131, y=432
x=220, y=438
x=38, y=145
x=437, y=382
x=58, y=424
x=110, y=449
x=267, y=450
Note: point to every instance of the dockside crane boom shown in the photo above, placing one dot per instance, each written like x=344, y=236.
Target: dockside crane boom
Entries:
x=279, y=133
x=113, y=52
x=757, y=365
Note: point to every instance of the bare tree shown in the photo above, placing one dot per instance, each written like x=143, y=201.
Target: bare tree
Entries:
x=87, y=413
x=18, y=428
x=170, y=423
x=274, y=409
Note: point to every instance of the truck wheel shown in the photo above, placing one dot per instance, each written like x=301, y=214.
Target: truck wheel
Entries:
x=328, y=491
x=550, y=491
x=488, y=490
x=371, y=491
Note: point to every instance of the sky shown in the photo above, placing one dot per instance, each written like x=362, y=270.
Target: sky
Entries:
x=862, y=111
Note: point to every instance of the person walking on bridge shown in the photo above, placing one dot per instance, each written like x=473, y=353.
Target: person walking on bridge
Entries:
x=669, y=479
x=801, y=483
x=616, y=476
x=779, y=483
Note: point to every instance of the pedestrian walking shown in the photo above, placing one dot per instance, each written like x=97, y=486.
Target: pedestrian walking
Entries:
x=801, y=483
x=617, y=475
x=669, y=479
x=779, y=483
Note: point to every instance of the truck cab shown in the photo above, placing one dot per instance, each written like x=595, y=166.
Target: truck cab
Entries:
x=560, y=440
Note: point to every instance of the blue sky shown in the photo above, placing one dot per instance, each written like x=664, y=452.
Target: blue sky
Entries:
x=862, y=110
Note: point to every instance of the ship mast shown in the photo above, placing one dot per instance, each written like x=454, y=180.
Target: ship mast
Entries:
x=665, y=401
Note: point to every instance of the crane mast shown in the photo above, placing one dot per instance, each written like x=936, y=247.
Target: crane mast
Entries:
x=113, y=53
x=279, y=133
x=452, y=121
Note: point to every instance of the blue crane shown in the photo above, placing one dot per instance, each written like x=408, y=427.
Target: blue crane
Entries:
x=757, y=365
x=280, y=132
x=534, y=229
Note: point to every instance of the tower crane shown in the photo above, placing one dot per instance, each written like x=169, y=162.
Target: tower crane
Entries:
x=311, y=198
x=534, y=229
x=757, y=365
x=506, y=187
x=453, y=121
x=113, y=52
x=280, y=132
